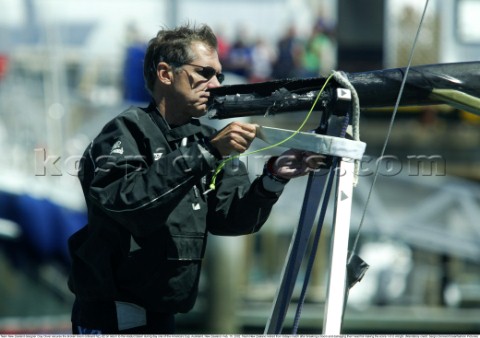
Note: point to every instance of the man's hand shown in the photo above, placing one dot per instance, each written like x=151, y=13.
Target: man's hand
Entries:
x=294, y=163
x=235, y=137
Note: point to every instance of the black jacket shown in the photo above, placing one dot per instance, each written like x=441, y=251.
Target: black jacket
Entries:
x=148, y=216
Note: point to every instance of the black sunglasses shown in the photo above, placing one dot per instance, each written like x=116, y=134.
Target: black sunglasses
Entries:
x=208, y=72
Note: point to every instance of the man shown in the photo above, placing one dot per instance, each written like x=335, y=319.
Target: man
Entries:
x=145, y=178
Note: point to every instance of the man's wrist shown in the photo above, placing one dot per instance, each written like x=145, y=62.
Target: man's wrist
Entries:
x=205, y=143
x=271, y=181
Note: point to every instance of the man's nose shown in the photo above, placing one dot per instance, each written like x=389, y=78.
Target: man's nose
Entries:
x=213, y=83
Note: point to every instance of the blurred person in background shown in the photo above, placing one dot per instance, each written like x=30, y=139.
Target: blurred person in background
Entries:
x=3, y=66
x=146, y=178
x=239, y=60
x=314, y=51
x=223, y=48
x=263, y=57
x=132, y=79
x=287, y=62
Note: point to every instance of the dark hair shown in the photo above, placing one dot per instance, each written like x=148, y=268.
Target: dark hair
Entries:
x=174, y=47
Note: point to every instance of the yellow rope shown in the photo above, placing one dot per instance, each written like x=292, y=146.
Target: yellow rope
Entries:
x=222, y=164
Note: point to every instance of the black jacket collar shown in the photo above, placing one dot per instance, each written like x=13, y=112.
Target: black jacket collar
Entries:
x=173, y=134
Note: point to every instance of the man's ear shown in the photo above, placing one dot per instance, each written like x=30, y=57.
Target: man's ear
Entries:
x=164, y=73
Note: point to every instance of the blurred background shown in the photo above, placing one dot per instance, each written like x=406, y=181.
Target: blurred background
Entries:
x=68, y=66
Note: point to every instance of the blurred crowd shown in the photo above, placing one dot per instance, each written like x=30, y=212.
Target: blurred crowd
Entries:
x=254, y=59
x=292, y=56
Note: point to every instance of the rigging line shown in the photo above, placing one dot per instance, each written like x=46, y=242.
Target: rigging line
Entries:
x=392, y=120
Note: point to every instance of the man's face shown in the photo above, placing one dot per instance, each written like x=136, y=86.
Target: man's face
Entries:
x=191, y=82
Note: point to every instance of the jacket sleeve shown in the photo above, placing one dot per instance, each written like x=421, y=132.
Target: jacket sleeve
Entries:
x=137, y=191
x=238, y=207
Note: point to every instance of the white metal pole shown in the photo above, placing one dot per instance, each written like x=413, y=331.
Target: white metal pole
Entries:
x=338, y=250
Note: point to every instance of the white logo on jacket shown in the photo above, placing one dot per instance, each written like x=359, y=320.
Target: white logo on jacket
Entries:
x=117, y=148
